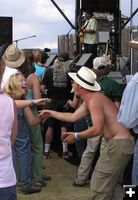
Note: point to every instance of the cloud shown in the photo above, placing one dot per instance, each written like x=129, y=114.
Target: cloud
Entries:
x=41, y=18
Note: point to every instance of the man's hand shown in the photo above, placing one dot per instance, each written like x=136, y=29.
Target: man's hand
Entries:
x=44, y=115
x=70, y=137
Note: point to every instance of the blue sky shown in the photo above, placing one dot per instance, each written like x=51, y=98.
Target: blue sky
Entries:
x=41, y=18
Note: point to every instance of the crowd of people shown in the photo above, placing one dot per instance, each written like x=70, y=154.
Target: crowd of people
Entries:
x=33, y=97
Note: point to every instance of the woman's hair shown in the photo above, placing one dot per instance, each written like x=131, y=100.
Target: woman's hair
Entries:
x=37, y=56
x=2, y=67
x=12, y=87
x=28, y=67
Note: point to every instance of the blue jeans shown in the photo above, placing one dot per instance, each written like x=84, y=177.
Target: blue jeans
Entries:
x=22, y=150
x=8, y=193
x=135, y=165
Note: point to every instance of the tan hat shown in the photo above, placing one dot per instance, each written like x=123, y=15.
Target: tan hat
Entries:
x=99, y=62
x=86, y=78
x=13, y=57
x=133, y=44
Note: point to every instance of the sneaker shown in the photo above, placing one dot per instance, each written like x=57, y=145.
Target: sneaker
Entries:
x=31, y=189
x=65, y=155
x=78, y=184
x=46, y=155
x=40, y=184
x=47, y=178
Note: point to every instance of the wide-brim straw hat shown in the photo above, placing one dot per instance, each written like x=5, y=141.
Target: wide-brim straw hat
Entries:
x=133, y=44
x=13, y=56
x=86, y=78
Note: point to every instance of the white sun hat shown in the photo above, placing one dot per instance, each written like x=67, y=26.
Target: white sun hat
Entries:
x=86, y=78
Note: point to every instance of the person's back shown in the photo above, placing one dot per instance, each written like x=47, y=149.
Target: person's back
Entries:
x=58, y=85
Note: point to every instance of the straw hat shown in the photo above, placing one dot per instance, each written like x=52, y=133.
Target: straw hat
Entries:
x=99, y=62
x=133, y=44
x=13, y=57
x=86, y=78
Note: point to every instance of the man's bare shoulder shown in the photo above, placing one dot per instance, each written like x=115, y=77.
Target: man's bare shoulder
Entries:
x=94, y=98
x=96, y=95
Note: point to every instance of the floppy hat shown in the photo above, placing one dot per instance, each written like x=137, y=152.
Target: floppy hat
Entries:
x=86, y=78
x=13, y=56
x=99, y=62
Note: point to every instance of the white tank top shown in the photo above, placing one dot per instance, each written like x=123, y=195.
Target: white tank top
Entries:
x=7, y=172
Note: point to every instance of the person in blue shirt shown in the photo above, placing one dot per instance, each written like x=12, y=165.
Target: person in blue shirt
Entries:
x=128, y=117
x=40, y=59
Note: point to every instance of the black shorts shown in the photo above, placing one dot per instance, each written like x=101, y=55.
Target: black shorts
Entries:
x=57, y=106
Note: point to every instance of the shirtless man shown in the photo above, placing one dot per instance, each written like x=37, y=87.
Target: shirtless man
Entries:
x=117, y=146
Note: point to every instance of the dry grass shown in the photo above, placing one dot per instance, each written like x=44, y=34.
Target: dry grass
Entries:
x=60, y=187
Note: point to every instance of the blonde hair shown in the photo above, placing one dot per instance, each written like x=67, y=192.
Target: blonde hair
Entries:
x=12, y=87
x=2, y=67
x=36, y=56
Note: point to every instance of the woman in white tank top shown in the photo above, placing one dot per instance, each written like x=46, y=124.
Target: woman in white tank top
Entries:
x=8, y=127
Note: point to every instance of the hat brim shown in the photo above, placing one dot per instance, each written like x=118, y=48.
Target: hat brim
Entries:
x=133, y=44
x=17, y=63
x=95, y=88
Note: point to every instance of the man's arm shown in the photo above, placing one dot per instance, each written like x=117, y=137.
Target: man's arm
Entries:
x=80, y=113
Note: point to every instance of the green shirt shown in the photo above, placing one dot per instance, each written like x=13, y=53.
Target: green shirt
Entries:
x=110, y=88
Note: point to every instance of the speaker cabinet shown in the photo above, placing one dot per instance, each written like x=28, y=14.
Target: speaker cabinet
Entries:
x=85, y=60
x=5, y=30
x=50, y=60
x=100, y=5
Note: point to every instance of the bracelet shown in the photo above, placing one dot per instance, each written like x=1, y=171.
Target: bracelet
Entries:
x=77, y=136
x=68, y=101
x=32, y=103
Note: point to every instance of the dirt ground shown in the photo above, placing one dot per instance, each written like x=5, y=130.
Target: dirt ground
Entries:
x=60, y=187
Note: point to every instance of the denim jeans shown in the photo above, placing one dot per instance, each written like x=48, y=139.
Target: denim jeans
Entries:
x=135, y=165
x=22, y=151
x=8, y=193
